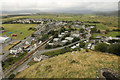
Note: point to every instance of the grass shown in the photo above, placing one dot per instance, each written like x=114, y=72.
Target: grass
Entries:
x=79, y=65
x=17, y=28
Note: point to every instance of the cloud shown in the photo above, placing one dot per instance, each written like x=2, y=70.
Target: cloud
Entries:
x=57, y=5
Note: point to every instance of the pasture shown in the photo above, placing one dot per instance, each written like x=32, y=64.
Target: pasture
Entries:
x=16, y=29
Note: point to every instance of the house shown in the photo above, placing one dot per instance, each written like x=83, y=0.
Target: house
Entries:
x=55, y=39
x=27, y=46
x=77, y=45
x=27, y=43
x=60, y=36
x=64, y=41
x=62, y=33
x=66, y=31
x=4, y=39
x=75, y=35
x=13, y=51
x=51, y=44
x=69, y=38
x=73, y=47
x=40, y=57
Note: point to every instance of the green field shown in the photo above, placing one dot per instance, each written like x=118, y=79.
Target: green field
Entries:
x=78, y=65
x=16, y=29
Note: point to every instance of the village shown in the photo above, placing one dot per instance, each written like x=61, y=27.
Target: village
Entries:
x=64, y=33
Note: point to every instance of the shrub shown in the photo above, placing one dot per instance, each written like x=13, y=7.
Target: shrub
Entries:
x=101, y=47
x=114, y=48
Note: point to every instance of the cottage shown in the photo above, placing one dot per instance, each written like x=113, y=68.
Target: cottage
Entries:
x=73, y=47
x=60, y=36
x=55, y=39
x=40, y=57
x=62, y=33
x=13, y=51
x=51, y=44
x=75, y=35
x=64, y=41
x=69, y=38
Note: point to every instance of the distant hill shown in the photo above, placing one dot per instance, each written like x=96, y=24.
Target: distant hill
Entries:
x=109, y=13
x=71, y=65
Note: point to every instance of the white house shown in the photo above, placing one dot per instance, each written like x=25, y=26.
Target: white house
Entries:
x=64, y=41
x=50, y=44
x=75, y=35
x=4, y=39
x=62, y=33
x=60, y=36
x=69, y=38
x=14, y=51
x=55, y=39
x=73, y=47
x=40, y=57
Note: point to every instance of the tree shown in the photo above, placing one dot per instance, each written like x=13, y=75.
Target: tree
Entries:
x=75, y=39
x=101, y=47
x=81, y=30
x=115, y=49
x=82, y=44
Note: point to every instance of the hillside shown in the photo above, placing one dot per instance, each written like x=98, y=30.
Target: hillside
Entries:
x=71, y=65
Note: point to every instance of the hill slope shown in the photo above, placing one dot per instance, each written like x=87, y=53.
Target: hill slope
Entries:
x=71, y=65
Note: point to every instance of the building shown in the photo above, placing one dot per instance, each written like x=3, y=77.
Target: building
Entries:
x=13, y=51
x=40, y=57
x=64, y=41
x=69, y=38
x=59, y=36
x=4, y=39
x=75, y=35
x=55, y=39
x=51, y=44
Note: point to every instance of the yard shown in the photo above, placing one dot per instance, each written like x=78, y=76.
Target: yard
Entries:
x=16, y=29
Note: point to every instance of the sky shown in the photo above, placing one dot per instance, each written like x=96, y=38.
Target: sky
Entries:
x=59, y=5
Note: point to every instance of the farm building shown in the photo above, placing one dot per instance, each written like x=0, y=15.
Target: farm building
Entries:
x=4, y=39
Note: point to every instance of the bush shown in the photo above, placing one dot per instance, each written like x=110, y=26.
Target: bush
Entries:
x=115, y=49
x=101, y=47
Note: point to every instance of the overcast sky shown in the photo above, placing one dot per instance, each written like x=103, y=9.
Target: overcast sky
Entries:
x=57, y=5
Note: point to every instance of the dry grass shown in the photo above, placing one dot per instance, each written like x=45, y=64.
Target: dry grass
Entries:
x=71, y=65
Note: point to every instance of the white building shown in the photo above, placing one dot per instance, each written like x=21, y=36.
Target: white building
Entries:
x=4, y=39
x=69, y=38
x=14, y=51
x=73, y=47
x=60, y=36
x=40, y=57
x=55, y=39
x=50, y=44
x=75, y=35
x=64, y=41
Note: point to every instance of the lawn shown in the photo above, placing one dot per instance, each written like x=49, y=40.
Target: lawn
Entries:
x=17, y=28
x=71, y=65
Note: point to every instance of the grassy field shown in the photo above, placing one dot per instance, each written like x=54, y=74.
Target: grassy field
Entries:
x=17, y=28
x=71, y=65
